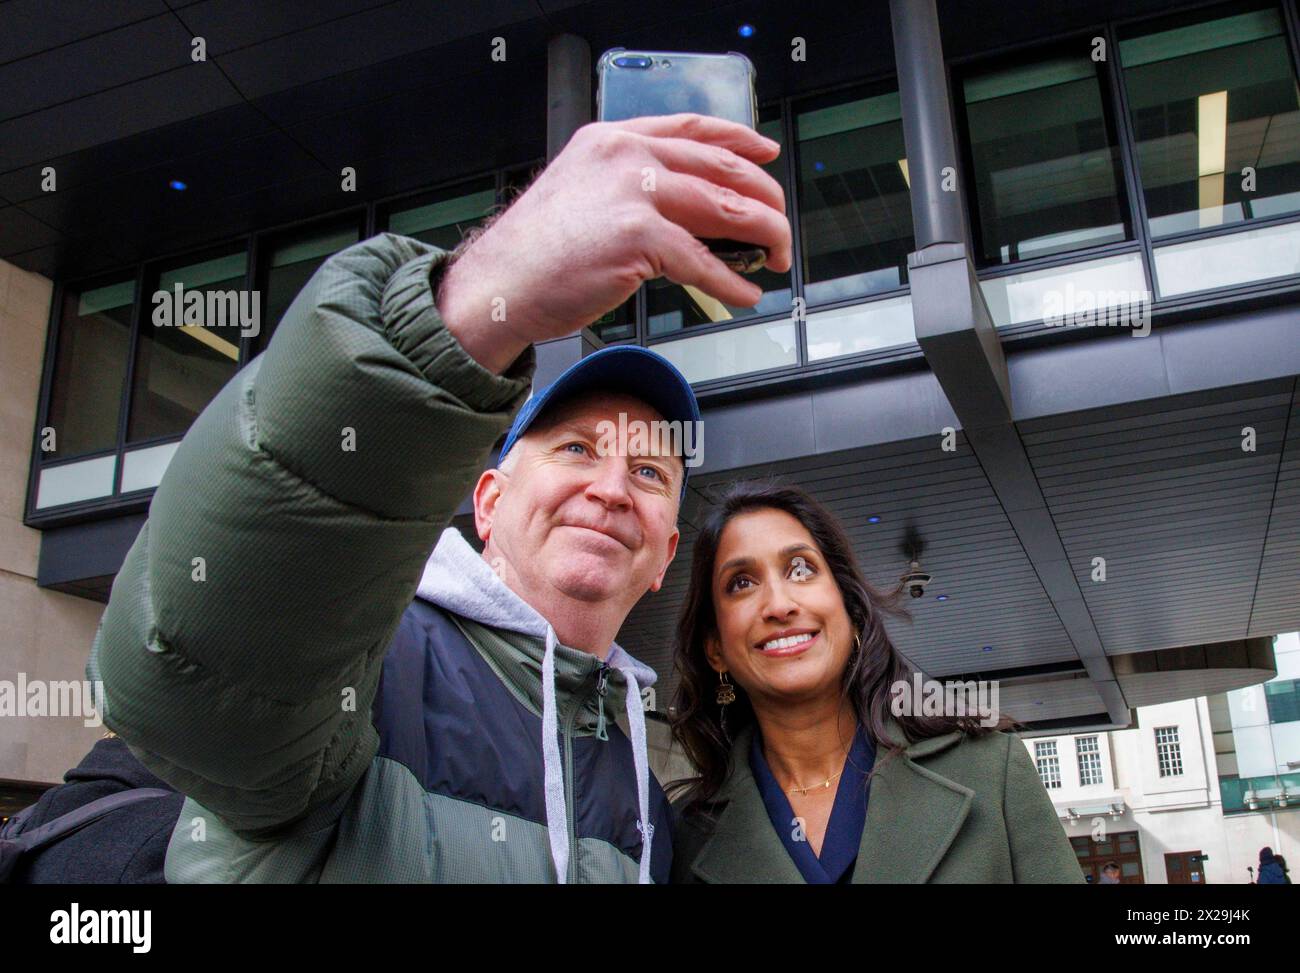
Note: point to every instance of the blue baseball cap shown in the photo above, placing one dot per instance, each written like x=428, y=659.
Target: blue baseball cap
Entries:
x=626, y=369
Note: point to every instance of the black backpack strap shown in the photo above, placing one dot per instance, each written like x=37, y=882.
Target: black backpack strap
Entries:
x=16, y=840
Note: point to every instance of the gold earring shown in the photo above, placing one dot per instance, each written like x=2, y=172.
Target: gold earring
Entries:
x=726, y=691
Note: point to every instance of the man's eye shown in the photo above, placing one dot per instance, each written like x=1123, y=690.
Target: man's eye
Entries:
x=581, y=446
x=658, y=475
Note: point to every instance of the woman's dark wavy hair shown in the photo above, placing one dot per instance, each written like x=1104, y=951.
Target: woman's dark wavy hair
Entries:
x=697, y=720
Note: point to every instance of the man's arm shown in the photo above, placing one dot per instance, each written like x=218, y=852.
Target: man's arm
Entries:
x=241, y=647
x=240, y=650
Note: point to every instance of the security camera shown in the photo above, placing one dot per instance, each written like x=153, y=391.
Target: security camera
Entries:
x=915, y=580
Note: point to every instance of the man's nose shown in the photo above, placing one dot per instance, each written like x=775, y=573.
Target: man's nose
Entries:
x=609, y=483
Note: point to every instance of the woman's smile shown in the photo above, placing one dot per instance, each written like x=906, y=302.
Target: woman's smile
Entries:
x=788, y=643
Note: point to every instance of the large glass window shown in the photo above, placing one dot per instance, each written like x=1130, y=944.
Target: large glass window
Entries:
x=89, y=369
x=189, y=342
x=1283, y=700
x=443, y=219
x=293, y=259
x=855, y=208
x=671, y=307
x=1046, y=164
x=1216, y=117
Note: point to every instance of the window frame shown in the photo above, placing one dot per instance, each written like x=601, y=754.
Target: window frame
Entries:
x=1093, y=766
x=1194, y=14
x=1172, y=742
x=1164, y=311
x=1025, y=54
x=258, y=245
x=150, y=271
x=1050, y=762
x=803, y=369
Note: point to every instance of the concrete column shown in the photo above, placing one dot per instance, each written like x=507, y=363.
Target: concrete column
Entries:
x=568, y=90
x=927, y=122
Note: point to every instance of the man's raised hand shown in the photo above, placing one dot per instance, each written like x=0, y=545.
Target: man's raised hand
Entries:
x=624, y=202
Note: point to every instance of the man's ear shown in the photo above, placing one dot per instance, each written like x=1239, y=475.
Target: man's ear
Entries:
x=672, y=553
x=487, y=492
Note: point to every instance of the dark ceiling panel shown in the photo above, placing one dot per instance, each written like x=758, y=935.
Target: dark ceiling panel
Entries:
x=458, y=73
x=90, y=254
x=1277, y=599
x=119, y=112
x=28, y=27
x=97, y=63
x=211, y=177
x=417, y=121
x=101, y=164
x=968, y=27
x=1168, y=497
x=19, y=229
x=366, y=38
x=227, y=25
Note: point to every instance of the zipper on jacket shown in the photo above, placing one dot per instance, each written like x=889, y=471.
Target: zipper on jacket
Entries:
x=602, y=687
x=570, y=770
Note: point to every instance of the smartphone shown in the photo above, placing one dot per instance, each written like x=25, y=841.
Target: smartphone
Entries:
x=632, y=84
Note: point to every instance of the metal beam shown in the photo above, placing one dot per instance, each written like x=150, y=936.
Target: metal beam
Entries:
x=959, y=340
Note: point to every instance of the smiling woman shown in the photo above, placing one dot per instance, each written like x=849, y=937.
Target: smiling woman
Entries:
x=784, y=707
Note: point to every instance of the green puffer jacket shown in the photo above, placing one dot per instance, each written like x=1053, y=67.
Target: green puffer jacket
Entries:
x=336, y=704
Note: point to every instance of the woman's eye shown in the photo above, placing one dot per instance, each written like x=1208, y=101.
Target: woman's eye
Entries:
x=801, y=570
x=734, y=584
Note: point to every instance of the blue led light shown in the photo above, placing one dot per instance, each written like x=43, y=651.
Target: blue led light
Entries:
x=873, y=519
x=819, y=166
x=746, y=30
x=942, y=598
x=987, y=648
x=177, y=185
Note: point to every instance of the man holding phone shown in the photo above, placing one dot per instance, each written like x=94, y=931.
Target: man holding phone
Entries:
x=261, y=651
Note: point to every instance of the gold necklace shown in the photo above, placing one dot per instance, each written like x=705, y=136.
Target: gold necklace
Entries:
x=803, y=791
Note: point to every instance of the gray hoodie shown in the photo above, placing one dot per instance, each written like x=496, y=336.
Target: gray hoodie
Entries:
x=457, y=579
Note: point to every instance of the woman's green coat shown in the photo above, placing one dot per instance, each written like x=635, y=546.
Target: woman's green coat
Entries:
x=948, y=809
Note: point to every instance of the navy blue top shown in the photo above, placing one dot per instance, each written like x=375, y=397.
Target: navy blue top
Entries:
x=848, y=816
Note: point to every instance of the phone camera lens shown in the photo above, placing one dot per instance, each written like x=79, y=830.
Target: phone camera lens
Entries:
x=632, y=62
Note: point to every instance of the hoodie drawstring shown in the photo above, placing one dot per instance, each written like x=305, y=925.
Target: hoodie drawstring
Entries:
x=557, y=818
x=636, y=722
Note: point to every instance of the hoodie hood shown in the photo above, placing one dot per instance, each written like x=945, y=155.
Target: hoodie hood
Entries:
x=458, y=580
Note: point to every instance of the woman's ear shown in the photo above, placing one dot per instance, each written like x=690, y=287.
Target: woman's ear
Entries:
x=713, y=652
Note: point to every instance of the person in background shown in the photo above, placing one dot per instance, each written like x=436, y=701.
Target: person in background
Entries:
x=127, y=846
x=1272, y=868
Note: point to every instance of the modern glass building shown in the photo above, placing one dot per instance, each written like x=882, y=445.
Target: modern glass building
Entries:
x=1042, y=314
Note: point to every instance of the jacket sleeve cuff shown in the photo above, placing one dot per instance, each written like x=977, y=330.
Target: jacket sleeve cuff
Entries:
x=417, y=330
